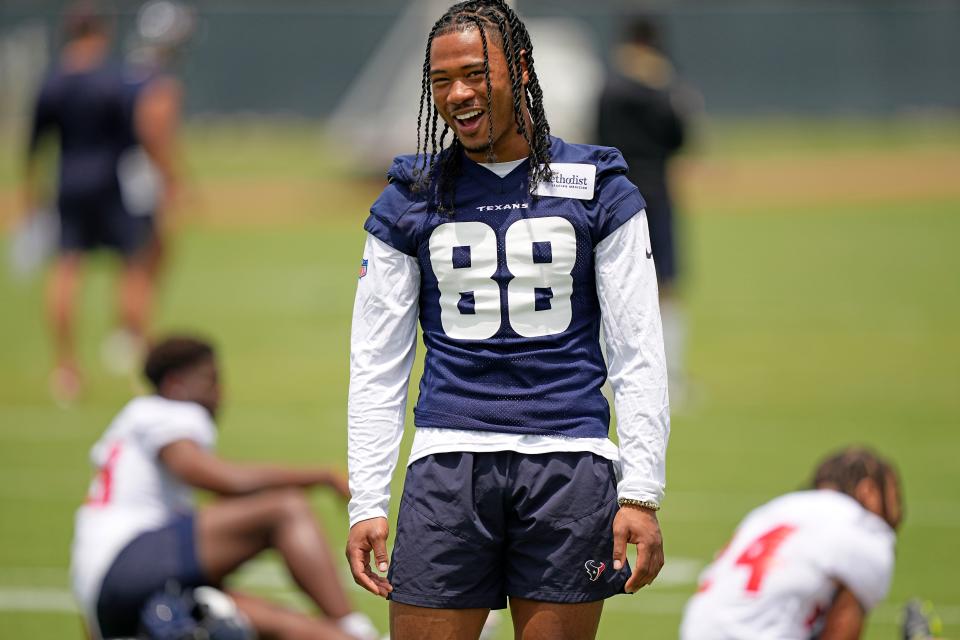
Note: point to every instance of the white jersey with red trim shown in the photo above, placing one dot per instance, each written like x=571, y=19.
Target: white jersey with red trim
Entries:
x=132, y=491
x=780, y=573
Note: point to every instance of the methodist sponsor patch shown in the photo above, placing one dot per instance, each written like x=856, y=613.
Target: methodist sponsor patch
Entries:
x=569, y=181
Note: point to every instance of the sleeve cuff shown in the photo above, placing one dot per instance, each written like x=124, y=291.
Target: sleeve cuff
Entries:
x=644, y=490
x=367, y=514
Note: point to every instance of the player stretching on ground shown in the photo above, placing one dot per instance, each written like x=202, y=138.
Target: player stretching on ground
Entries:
x=139, y=529
x=512, y=247
x=808, y=564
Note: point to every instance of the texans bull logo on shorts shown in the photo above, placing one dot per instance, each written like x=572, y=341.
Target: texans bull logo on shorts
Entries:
x=594, y=569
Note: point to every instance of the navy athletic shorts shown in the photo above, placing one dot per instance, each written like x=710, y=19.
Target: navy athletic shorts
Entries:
x=477, y=528
x=89, y=223
x=144, y=567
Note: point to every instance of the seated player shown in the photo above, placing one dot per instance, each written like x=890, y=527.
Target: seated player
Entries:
x=807, y=564
x=139, y=530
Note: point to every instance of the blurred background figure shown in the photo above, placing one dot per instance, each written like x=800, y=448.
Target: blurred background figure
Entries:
x=150, y=168
x=97, y=117
x=644, y=110
x=808, y=564
x=82, y=102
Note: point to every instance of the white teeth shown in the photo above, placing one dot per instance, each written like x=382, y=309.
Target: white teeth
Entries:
x=469, y=114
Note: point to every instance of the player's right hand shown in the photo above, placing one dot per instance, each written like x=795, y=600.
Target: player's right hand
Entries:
x=366, y=536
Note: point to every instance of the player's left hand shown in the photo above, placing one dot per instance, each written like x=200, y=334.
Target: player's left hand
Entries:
x=639, y=526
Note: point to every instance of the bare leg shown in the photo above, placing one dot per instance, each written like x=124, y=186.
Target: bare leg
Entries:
x=273, y=622
x=408, y=622
x=61, y=315
x=534, y=620
x=156, y=253
x=61, y=305
x=136, y=296
x=234, y=530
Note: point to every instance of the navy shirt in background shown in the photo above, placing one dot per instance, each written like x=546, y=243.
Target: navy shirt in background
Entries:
x=91, y=112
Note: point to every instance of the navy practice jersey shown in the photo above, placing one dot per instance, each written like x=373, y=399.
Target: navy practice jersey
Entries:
x=508, y=302
x=91, y=112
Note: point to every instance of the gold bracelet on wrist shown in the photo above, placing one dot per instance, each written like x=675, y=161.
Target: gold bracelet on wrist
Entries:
x=643, y=504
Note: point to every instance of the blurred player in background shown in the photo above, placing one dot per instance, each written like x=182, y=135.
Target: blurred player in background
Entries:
x=512, y=247
x=810, y=564
x=139, y=528
x=97, y=116
x=643, y=111
x=151, y=168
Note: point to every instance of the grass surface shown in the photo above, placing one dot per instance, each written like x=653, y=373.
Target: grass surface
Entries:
x=813, y=323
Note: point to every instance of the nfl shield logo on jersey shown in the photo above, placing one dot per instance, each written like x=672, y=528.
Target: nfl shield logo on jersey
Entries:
x=363, y=267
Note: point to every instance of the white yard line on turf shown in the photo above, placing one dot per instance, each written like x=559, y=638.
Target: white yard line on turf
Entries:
x=37, y=599
x=50, y=600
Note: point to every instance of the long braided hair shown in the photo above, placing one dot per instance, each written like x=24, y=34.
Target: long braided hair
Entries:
x=845, y=469
x=437, y=167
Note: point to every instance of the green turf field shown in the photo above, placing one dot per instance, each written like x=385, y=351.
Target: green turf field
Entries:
x=816, y=321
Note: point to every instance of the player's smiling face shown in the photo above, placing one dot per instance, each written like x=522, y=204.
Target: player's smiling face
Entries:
x=460, y=94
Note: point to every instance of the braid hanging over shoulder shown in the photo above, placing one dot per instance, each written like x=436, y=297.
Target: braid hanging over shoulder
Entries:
x=437, y=167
